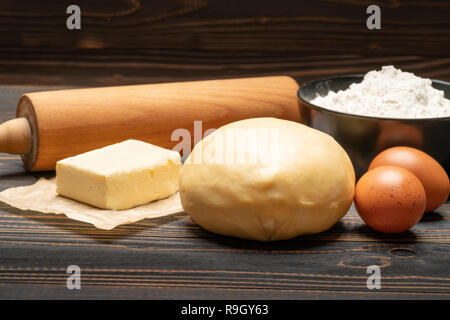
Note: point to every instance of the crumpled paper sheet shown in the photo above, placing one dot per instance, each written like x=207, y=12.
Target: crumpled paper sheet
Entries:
x=41, y=196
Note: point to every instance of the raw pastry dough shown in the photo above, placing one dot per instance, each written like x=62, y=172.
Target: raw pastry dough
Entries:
x=306, y=187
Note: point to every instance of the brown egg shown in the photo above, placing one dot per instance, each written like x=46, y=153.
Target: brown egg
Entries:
x=429, y=171
x=390, y=199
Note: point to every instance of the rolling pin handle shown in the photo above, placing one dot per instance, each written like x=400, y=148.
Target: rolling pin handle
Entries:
x=15, y=136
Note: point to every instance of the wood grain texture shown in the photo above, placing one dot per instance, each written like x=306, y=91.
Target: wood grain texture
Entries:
x=173, y=258
x=148, y=41
x=107, y=68
x=324, y=26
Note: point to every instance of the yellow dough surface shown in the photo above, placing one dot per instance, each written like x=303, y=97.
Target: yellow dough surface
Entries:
x=228, y=187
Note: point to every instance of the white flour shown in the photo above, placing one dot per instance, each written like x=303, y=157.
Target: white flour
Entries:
x=389, y=93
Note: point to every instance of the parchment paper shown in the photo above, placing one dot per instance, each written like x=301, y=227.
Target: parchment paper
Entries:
x=41, y=196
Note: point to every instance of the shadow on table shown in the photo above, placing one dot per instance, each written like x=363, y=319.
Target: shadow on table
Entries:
x=303, y=242
x=61, y=222
x=340, y=234
x=372, y=235
x=431, y=217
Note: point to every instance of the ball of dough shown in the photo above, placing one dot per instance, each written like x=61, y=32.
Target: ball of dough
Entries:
x=267, y=179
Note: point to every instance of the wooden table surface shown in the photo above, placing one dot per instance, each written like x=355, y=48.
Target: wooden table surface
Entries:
x=172, y=258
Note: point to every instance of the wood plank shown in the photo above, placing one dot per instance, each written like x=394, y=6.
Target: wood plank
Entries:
x=319, y=27
x=108, y=70
x=173, y=252
x=147, y=41
x=58, y=291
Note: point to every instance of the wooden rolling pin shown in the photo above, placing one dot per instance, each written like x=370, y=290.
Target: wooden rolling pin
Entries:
x=57, y=124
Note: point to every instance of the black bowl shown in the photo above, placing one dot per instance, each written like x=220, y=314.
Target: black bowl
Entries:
x=363, y=137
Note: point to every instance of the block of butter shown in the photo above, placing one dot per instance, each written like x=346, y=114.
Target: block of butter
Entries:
x=119, y=176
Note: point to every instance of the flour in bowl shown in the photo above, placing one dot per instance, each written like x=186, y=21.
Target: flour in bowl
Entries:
x=389, y=93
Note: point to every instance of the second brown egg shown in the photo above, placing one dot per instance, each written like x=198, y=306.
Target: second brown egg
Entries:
x=430, y=173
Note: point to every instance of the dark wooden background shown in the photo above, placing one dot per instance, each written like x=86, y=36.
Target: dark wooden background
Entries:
x=137, y=41
x=141, y=41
